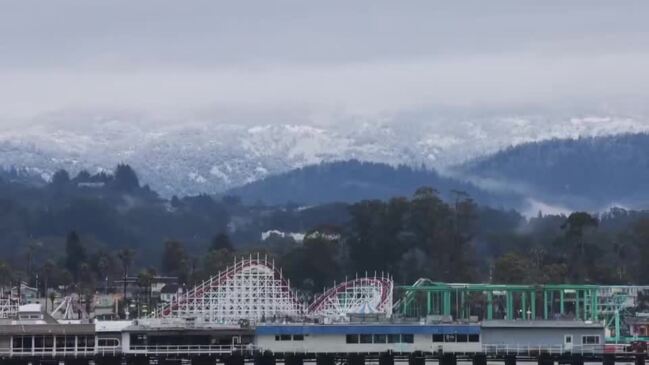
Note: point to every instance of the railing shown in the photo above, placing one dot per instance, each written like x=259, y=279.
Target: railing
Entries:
x=535, y=350
x=47, y=351
x=144, y=349
x=190, y=349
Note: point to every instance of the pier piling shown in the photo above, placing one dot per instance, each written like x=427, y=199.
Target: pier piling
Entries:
x=234, y=359
x=479, y=359
x=577, y=359
x=640, y=359
x=448, y=359
x=386, y=358
x=325, y=359
x=293, y=359
x=416, y=358
x=356, y=359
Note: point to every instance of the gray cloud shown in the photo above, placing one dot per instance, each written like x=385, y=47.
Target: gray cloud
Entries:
x=319, y=62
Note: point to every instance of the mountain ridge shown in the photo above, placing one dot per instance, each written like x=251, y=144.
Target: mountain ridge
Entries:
x=591, y=173
x=351, y=181
x=205, y=157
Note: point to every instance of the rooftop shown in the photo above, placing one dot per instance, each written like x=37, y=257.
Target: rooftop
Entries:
x=541, y=324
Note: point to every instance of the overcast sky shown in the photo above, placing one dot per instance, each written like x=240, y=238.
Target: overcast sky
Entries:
x=318, y=62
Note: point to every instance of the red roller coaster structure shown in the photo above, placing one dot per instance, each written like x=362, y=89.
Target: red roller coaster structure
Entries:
x=253, y=289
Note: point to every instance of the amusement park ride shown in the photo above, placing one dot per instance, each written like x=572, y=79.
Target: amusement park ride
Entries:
x=250, y=310
x=254, y=289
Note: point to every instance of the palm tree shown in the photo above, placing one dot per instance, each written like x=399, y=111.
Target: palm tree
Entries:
x=47, y=270
x=52, y=297
x=6, y=275
x=125, y=256
x=32, y=248
x=103, y=267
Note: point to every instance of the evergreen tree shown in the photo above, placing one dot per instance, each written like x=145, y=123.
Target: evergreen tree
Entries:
x=75, y=254
x=60, y=178
x=125, y=179
x=221, y=242
x=175, y=260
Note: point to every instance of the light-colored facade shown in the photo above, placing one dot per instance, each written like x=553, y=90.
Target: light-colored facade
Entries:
x=559, y=336
x=368, y=338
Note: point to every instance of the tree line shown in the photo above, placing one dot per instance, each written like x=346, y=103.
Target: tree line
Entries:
x=423, y=235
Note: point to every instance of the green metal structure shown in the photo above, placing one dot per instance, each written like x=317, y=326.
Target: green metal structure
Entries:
x=466, y=302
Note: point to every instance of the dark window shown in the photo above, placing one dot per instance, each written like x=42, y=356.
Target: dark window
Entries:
x=474, y=338
x=461, y=338
x=27, y=342
x=285, y=337
x=49, y=341
x=449, y=338
x=351, y=339
x=69, y=343
x=108, y=342
x=590, y=340
x=60, y=342
x=394, y=338
x=81, y=341
x=138, y=339
x=298, y=337
x=380, y=338
x=438, y=338
x=408, y=338
x=22, y=343
x=366, y=338
x=276, y=337
x=38, y=342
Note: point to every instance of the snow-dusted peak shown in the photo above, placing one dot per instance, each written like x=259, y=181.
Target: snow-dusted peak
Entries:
x=193, y=157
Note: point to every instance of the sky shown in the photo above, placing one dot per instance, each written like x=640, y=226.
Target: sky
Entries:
x=322, y=63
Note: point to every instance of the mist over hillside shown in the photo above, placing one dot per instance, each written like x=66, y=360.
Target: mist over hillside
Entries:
x=353, y=181
x=592, y=173
x=75, y=228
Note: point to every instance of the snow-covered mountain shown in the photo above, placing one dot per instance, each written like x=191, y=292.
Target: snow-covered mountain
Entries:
x=189, y=158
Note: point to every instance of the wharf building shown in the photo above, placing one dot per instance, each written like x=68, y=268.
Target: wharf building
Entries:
x=250, y=312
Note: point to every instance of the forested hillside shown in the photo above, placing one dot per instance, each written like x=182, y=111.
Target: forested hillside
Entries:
x=110, y=212
x=80, y=230
x=353, y=181
x=584, y=173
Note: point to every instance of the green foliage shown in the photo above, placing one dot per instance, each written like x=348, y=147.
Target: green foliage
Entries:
x=512, y=268
x=221, y=242
x=214, y=262
x=75, y=254
x=175, y=260
x=79, y=236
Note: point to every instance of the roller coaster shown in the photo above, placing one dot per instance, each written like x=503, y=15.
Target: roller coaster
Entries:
x=254, y=289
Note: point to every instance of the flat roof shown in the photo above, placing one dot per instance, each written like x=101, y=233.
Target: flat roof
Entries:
x=345, y=329
x=47, y=329
x=112, y=326
x=180, y=330
x=541, y=324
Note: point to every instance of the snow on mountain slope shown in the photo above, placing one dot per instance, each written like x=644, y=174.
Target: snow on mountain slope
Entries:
x=189, y=158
